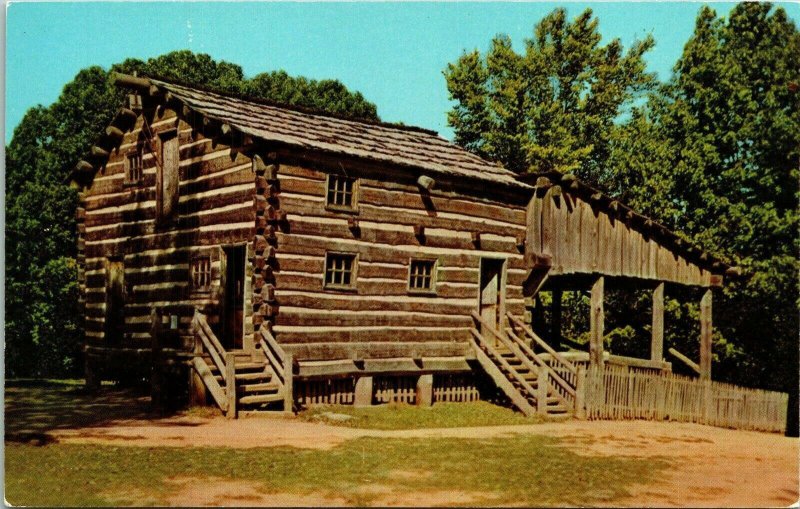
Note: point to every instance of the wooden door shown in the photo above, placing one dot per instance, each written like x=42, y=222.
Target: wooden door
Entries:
x=233, y=327
x=491, y=294
x=115, y=302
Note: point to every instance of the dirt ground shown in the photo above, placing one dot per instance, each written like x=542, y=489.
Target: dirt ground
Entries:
x=714, y=467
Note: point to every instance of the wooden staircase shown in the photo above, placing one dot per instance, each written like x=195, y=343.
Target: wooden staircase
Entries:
x=240, y=380
x=533, y=385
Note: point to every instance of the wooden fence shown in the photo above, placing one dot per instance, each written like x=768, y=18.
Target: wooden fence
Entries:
x=615, y=392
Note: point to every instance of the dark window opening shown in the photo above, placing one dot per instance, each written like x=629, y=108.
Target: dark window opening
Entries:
x=340, y=270
x=422, y=275
x=341, y=192
x=201, y=273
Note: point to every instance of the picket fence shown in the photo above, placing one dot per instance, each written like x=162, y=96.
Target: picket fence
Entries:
x=616, y=392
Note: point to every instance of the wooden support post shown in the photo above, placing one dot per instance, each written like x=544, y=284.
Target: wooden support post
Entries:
x=580, y=392
x=555, y=319
x=705, y=335
x=541, y=391
x=597, y=324
x=288, y=384
x=657, y=341
x=230, y=384
x=92, y=378
x=156, y=382
x=363, y=396
x=425, y=390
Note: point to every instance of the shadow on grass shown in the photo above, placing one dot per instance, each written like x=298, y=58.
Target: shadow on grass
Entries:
x=34, y=407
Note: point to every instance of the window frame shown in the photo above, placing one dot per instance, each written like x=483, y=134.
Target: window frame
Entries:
x=434, y=277
x=352, y=287
x=353, y=207
x=192, y=279
x=127, y=180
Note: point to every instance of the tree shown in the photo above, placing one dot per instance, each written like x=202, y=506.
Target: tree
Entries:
x=553, y=107
x=43, y=323
x=715, y=154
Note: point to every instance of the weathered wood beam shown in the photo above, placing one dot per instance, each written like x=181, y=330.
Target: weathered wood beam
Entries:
x=426, y=182
x=127, y=115
x=596, y=323
x=555, y=316
x=84, y=167
x=705, y=335
x=114, y=132
x=99, y=152
x=686, y=360
x=129, y=81
x=657, y=340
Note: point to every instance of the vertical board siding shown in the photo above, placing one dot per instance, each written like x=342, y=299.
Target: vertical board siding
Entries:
x=583, y=240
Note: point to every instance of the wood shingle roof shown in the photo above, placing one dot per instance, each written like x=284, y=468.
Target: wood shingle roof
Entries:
x=372, y=141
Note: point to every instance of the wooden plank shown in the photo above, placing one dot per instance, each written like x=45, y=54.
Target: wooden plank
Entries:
x=230, y=384
x=501, y=381
x=211, y=383
x=328, y=349
x=596, y=323
x=657, y=333
x=705, y=335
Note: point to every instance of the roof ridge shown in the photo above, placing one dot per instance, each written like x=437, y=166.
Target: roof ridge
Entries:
x=293, y=107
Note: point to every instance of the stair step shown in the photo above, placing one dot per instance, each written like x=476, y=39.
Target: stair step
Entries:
x=259, y=387
x=260, y=398
x=240, y=366
x=254, y=376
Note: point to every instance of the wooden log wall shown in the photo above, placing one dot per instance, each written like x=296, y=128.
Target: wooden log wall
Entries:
x=396, y=221
x=215, y=207
x=581, y=239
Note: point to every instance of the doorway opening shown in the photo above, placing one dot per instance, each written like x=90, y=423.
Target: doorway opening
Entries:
x=233, y=306
x=492, y=288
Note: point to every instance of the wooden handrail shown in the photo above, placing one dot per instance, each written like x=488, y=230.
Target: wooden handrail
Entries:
x=200, y=331
x=272, y=342
x=201, y=320
x=274, y=364
x=553, y=373
x=568, y=365
x=504, y=362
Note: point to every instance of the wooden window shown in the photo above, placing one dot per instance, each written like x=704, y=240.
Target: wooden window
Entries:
x=201, y=274
x=342, y=193
x=133, y=168
x=422, y=276
x=340, y=271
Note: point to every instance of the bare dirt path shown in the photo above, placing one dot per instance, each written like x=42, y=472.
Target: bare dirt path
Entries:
x=713, y=467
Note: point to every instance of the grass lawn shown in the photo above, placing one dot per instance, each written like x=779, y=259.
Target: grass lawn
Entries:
x=517, y=469
x=401, y=416
x=520, y=469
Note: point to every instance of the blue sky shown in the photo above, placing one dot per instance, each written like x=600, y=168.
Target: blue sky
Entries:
x=393, y=53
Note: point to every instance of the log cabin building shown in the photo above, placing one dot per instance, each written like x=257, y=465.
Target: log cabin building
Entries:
x=260, y=256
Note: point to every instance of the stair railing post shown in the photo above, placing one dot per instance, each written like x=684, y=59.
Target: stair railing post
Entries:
x=541, y=391
x=156, y=382
x=288, y=382
x=580, y=393
x=230, y=384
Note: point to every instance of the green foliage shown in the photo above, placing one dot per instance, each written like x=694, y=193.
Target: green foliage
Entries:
x=554, y=106
x=403, y=416
x=714, y=154
x=43, y=324
x=328, y=95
